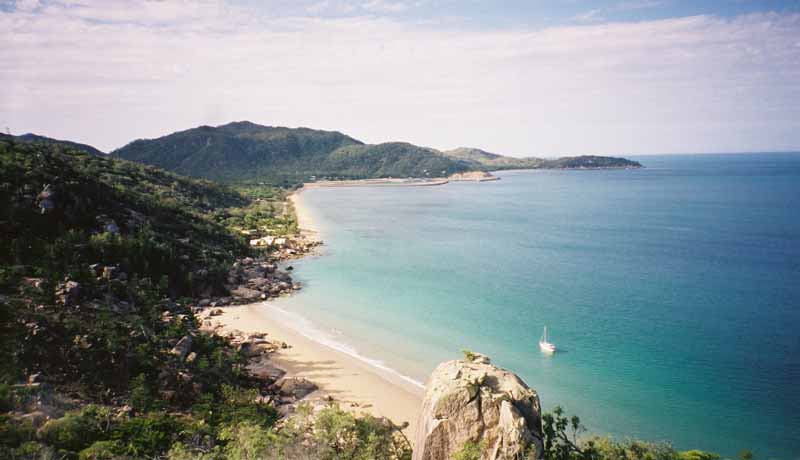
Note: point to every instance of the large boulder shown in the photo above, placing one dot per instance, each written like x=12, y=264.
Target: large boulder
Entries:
x=473, y=401
x=295, y=388
x=183, y=347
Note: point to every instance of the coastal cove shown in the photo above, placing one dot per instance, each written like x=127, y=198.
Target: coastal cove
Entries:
x=627, y=268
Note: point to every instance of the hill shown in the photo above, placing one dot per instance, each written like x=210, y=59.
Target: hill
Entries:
x=494, y=162
x=30, y=137
x=491, y=161
x=247, y=152
x=100, y=268
x=391, y=159
x=244, y=151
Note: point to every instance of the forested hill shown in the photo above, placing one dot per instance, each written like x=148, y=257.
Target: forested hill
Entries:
x=30, y=137
x=244, y=151
x=98, y=260
x=487, y=161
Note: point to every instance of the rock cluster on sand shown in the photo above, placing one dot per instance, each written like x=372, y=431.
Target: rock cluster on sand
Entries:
x=473, y=401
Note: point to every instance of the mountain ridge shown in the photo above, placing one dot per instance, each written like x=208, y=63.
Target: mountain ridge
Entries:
x=36, y=138
x=243, y=151
x=246, y=151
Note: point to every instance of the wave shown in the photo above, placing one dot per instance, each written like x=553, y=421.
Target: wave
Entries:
x=309, y=330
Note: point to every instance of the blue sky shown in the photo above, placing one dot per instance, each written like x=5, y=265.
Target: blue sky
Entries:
x=546, y=78
x=515, y=13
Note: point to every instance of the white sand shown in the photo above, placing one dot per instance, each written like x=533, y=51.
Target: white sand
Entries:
x=304, y=219
x=344, y=377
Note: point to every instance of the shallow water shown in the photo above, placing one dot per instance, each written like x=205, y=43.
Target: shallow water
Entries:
x=673, y=292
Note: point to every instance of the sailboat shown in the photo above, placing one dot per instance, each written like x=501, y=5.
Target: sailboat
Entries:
x=544, y=345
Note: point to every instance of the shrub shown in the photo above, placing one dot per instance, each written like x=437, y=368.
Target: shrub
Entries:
x=335, y=433
x=6, y=398
x=469, y=355
x=146, y=436
x=75, y=431
x=101, y=450
x=248, y=441
x=142, y=394
x=697, y=455
x=14, y=433
x=31, y=451
x=471, y=450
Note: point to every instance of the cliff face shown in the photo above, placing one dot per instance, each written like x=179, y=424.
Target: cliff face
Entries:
x=474, y=401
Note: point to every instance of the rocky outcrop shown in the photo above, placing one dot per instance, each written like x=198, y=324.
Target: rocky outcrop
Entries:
x=473, y=401
x=295, y=388
x=473, y=176
x=68, y=293
x=46, y=200
x=182, y=348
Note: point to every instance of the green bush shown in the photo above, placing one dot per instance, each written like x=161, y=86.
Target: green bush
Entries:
x=698, y=455
x=248, y=441
x=31, y=451
x=14, y=433
x=6, y=398
x=142, y=395
x=335, y=434
x=470, y=451
x=77, y=431
x=101, y=450
x=147, y=435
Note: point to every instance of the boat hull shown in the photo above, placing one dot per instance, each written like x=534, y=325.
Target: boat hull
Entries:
x=547, y=347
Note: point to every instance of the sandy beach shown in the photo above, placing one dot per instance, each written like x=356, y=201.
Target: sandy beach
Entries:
x=304, y=219
x=356, y=384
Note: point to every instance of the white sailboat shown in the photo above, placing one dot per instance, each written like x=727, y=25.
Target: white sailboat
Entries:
x=544, y=345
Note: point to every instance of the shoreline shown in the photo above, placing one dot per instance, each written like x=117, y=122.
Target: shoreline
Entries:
x=305, y=222
x=357, y=383
x=354, y=383
x=377, y=183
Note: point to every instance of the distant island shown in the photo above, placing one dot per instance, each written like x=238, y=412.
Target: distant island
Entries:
x=244, y=151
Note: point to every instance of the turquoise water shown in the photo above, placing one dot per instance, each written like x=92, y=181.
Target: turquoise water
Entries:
x=673, y=292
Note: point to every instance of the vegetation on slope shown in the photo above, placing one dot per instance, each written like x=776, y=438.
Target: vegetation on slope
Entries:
x=247, y=152
x=30, y=137
x=392, y=159
x=239, y=152
x=93, y=350
x=98, y=263
x=482, y=160
x=487, y=161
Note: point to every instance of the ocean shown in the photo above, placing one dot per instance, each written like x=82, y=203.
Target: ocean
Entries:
x=672, y=292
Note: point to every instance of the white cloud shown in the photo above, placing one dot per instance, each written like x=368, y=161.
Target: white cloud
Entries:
x=385, y=6
x=106, y=73
x=588, y=16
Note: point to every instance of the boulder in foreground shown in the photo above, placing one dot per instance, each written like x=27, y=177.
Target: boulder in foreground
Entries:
x=474, y=402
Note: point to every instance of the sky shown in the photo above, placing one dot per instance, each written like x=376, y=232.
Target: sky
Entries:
x=517, y=77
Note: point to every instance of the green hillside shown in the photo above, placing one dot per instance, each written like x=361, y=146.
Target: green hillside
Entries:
x=392, y=159
x=53, y=193
x=244, y=151
x=247, y=152
x=30, y=137
x=481, y=159
x=589, y=162
x=239, y=151
x=101, y=264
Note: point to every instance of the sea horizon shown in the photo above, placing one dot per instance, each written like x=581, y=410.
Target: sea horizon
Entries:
x=366, y=312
